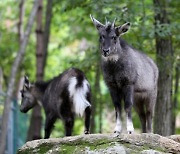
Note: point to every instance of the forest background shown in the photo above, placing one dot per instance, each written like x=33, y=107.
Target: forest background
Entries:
x=63, y=36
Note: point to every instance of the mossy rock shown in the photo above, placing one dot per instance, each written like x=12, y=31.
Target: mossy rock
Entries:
x=103, y=143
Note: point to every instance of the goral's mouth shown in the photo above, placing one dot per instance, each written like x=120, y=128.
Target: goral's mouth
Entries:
x=106, y=54
x=113, y=57
x=23, y=110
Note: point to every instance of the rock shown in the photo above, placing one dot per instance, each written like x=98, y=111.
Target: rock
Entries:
x=175, y=138
x=103, y=143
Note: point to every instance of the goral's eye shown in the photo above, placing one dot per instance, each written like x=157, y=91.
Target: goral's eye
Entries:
x=102, y=36
x=21, y=91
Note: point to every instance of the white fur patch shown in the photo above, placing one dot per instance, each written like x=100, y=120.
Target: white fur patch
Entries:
x=130, y=127
x=79, y=95
x=118, y=127
x=111, y=58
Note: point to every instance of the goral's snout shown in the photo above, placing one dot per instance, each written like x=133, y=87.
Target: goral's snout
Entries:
x=106, y=52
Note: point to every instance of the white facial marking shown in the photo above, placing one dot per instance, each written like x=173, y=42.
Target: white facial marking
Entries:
x=79, y=95
x=111, y=58
x=118, y=127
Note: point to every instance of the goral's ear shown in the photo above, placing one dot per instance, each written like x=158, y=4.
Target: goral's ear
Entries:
x=96, y=23
x=26, y=82
x=120, y=30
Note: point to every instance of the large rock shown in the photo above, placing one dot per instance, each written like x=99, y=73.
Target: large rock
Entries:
x=103, y=143
x=175, y=138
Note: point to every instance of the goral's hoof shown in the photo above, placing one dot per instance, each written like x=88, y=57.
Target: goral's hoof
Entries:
x=116, y=133
x=130, y=132
x=86, y=132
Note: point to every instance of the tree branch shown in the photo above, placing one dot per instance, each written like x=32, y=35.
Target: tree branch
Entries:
x=14, y=69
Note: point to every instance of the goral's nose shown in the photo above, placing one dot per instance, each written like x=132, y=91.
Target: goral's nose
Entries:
x=106, y=51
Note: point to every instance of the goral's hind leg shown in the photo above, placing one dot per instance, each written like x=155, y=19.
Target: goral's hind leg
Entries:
x=87, y=120
x=149, y=113
x=50, y=120
x=139, y=107
x=69, y=123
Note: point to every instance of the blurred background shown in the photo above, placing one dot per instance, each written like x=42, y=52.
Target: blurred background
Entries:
x=63, y=36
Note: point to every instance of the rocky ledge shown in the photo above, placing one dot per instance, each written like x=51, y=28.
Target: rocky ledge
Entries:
x=105, y=143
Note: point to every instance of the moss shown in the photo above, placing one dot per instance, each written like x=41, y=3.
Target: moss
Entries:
x=40, y=149
x=81, y=148
x=27, y=151
x=81, y=145
x=138, y=148
x=69, y=149
x=44, y=148
x=105, y=145
x=160, y=149
x=156, y=148
x=66, y=149
x=84, y=146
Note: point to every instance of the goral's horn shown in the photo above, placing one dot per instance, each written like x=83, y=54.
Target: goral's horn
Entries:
x=106, y=20
x=113, y=24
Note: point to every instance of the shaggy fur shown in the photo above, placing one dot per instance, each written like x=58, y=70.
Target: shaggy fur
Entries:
x=129, y=74
x=62, y=97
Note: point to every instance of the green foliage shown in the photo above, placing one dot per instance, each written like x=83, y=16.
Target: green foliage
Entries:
x=8, y=43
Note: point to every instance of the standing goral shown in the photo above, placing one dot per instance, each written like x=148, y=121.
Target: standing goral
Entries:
x=129, y=74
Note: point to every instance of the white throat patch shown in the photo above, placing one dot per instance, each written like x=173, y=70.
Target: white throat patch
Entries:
x=111, y=58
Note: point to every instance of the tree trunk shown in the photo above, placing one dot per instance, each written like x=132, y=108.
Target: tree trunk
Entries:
x=1, y=80
x=175, y=101
x=39, y=45
x=163, y=109
x=21, y=19
x=99, y=101
x=34, y=131
x=41, y=56
x=11, y=83
x=20, y=36
x=49, y=7
x=95, y=97
x=100, y=112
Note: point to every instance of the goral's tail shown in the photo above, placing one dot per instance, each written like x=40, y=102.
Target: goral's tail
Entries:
x=78, y=93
